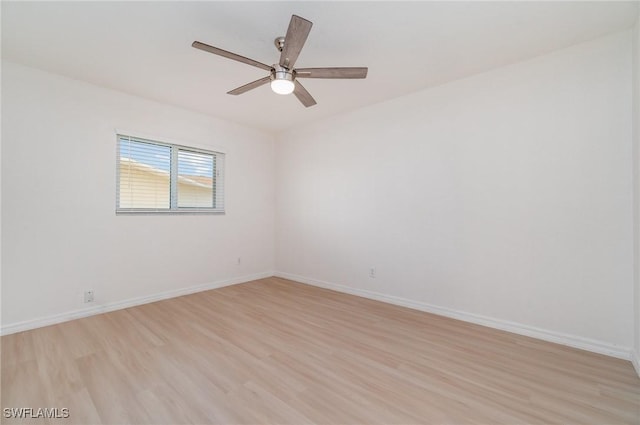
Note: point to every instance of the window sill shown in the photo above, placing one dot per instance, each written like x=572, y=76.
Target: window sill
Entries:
x=195, y=211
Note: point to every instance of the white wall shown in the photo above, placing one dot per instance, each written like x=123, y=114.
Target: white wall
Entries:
x=506, y=196
x=636, y=186
x=60, y=231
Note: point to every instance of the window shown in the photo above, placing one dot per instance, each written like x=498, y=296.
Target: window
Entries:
x=162, y=177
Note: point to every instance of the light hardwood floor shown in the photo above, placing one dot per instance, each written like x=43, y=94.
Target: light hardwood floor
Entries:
x=274, y=351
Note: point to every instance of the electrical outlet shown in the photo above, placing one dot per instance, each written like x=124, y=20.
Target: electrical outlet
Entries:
x=88, y=296
x=372, y=272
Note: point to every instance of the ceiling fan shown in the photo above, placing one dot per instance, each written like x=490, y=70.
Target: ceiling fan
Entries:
x=282, y=75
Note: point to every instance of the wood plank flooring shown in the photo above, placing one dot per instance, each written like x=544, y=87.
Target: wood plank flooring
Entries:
x=275, y=351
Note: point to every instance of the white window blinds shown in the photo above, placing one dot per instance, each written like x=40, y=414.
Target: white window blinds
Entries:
x=161, y=177
x=195, y=180
x=144, y=175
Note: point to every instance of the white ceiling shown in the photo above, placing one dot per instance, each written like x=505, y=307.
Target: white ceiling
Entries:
x=144, y=48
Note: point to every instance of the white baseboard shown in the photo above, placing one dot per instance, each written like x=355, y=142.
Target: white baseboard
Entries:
x=131, y=302
x=635, y=359
x=543, y=334
x=587, y=344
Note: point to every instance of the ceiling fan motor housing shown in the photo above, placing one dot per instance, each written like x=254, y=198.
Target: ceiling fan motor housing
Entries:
x=281, y=73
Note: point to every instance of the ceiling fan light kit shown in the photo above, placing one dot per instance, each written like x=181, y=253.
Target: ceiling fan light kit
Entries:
x=283, y=76
x=282, y=80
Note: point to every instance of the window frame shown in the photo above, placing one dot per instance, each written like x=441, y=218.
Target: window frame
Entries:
x=218, y=187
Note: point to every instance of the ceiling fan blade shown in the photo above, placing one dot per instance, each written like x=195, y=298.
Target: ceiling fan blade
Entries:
x=250, y=86
x=297, y=34
x=331, y=72
x=229, y=55
x=303, y=95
